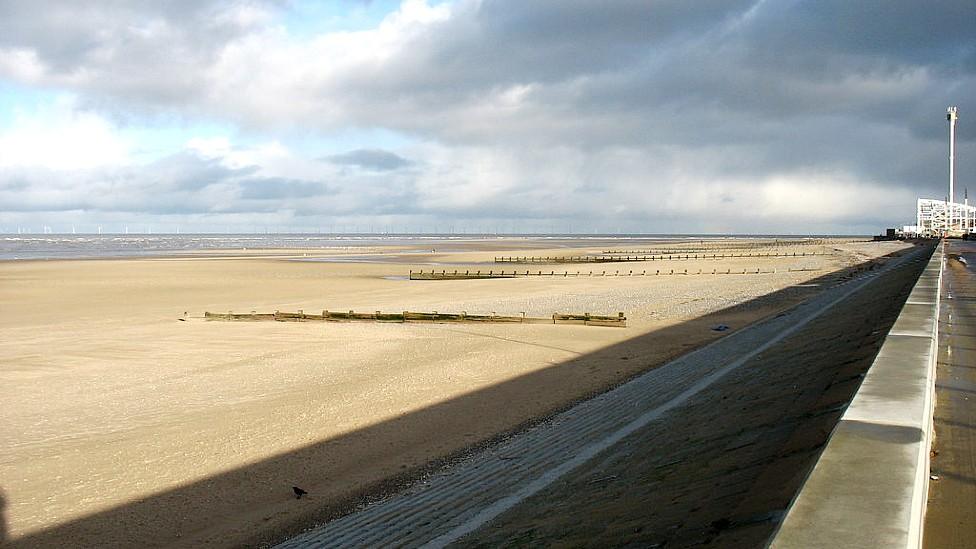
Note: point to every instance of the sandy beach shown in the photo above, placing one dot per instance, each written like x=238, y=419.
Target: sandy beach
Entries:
x=129, y=420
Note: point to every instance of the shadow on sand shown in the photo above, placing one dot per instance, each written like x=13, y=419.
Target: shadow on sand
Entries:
x=3, y=518
x=254, y=504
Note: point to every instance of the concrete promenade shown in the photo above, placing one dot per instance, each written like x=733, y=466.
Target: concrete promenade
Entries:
x=950, y=520
x=707, y=449
x=870, y=484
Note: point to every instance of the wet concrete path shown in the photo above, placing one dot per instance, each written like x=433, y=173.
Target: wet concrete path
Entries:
x=950, y=519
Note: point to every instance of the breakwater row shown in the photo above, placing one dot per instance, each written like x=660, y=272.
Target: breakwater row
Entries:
x=476, y=275
x=585, y=319
x=626, y=258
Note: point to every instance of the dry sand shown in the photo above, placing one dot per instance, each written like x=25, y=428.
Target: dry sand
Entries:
x=123, y=425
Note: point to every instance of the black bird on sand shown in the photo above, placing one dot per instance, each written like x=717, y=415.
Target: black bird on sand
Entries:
x=298, y=492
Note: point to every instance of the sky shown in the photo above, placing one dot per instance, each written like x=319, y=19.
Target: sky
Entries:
x=653, y=116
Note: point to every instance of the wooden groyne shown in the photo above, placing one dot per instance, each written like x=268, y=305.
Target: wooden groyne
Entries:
x=698, y=246
x=477, y=275
x=662, y=257
x=585, y=319
x=697, y=250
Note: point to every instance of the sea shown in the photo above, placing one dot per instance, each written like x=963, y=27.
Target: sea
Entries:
x=94, y=246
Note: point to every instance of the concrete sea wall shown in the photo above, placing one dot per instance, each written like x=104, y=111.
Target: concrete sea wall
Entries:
x=870, y=485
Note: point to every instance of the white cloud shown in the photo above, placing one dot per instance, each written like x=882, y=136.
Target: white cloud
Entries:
x=211, y=147
x=58, y=136
x=21, y=64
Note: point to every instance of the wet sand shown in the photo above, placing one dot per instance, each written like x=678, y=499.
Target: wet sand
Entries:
x=118, y=415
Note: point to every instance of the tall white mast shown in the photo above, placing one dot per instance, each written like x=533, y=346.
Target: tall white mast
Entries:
x=952, y=113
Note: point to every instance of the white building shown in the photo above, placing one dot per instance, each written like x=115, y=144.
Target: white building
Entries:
x=943, y=218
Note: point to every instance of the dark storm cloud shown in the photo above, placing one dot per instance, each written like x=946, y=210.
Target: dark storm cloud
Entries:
x=870, y=62
x=754, y=88
x=370, y=159
x=515, y=42
x=929, y=33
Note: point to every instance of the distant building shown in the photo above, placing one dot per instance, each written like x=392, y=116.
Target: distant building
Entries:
x=943, y=218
